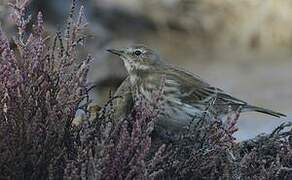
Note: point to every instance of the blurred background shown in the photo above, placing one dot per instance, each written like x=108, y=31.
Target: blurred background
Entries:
x=243, y=46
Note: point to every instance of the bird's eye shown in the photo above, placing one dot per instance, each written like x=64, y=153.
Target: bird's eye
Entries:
x=137, y=52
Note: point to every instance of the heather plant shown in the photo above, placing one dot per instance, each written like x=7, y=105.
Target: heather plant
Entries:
x=204, y=150
x=267, y=156
x=41, y=86
x=111, y=149
x=208, y=150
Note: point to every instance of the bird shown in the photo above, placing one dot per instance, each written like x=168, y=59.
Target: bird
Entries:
x=186, y=95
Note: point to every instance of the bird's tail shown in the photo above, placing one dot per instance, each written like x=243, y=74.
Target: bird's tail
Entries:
x=263, y=110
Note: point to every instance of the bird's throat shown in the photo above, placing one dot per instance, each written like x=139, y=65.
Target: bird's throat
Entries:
x=133, y=78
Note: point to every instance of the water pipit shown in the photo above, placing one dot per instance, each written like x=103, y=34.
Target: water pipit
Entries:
x=185, y=94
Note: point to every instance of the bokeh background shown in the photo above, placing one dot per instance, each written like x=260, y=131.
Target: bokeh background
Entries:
x=243, y=46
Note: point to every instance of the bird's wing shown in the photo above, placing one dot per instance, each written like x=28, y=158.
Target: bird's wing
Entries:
x=192, y=89
x=124, y=103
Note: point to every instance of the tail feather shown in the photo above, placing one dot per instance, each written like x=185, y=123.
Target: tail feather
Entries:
x=265, y=111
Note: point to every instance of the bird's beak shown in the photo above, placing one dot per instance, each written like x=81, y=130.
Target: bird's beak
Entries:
x=116, y=51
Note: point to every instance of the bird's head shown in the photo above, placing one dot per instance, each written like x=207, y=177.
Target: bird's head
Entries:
x=138, y=58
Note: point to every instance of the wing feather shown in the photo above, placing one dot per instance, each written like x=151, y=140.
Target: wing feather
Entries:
x=192, y=89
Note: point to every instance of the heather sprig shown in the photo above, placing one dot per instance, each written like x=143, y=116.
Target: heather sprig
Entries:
x=130, y=145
